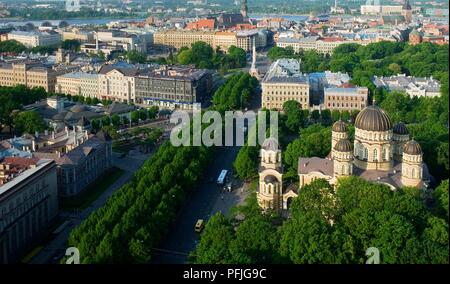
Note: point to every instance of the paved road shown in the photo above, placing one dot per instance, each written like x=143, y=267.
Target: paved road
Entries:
x=205, y=201
x=200, y=205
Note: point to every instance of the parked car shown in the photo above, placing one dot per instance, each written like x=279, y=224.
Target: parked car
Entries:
x=199, y=225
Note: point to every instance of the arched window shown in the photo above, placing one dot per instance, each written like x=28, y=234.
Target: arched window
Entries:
x=385, y=154
x=375, y=155
x=413, y=173
x=343, y=170
x=366, y=153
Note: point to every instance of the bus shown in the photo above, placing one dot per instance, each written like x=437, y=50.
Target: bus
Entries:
x=222, y=176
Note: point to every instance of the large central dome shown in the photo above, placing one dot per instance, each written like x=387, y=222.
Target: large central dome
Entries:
x=373, y=118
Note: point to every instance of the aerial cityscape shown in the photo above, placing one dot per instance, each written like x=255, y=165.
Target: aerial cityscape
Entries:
x=224, y=132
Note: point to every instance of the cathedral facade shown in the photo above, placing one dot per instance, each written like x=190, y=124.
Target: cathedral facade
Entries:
x=381, y=152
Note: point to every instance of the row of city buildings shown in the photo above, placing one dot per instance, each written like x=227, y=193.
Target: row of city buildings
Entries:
x=37, y=170
x=284, y=81
x=217, y=39
x=165, y=86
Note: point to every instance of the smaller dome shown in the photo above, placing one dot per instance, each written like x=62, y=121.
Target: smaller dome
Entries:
x=340, y=126
x=400, y=128
x=412, y=148
x=270, y=179
x=343, y=145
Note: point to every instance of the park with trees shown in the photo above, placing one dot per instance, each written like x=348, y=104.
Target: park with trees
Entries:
x=333, y=226
x=203, y=56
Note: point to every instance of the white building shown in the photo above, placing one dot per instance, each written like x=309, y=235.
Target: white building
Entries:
x=78, y=84
x=117, y=83
x=33, y=39
x=413, y=86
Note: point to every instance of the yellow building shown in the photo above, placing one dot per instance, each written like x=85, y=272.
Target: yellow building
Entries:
x=180, y=38
x=242, y=39
x=30, y=74
x=284, y=82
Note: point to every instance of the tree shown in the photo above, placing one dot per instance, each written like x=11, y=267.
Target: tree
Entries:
x=255, y=241
x=326, y=116
x=314, y=141
x=95, y=124
x=29, y=122
x=307, y=239
x=440, y=195
x=152, y=112
x=71, y=44
x=237, y=57
x=395, y=68
x=246, y=162
x=315, y=115
x=215, y=241
x=143, y=114
x=294, y=114
x=335, y=115
x=116, y=120
x=106, y=121
x=435, y=240
x=43, y=49
x=135, y=116
x=11, y=46
x=134, y=56
x=279, y=52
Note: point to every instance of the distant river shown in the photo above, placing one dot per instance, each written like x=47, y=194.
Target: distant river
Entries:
x=104, y=21
x=94, y=21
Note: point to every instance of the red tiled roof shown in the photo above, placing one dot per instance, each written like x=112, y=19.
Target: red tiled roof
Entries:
x=20, y=161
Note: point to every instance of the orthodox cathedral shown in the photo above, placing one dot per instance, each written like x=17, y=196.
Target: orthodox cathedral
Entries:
x=380, y=153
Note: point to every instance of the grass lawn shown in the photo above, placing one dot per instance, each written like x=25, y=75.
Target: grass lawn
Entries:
x=94, y=190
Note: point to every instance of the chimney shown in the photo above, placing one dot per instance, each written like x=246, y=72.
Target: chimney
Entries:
x=33, y=145
x=53, y=135
x=36, y=134
x=46, y=132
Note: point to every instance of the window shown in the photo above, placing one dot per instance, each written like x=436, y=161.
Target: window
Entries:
x=375, y=155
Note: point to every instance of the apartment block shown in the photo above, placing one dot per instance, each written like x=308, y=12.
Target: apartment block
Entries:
x=31, y=74
x=34, y=38
x=78, y=84
x=177, y=87
x=28, y=204
x=117, y=83
x=346, y=98
x=284, y=82
x=321, y=45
